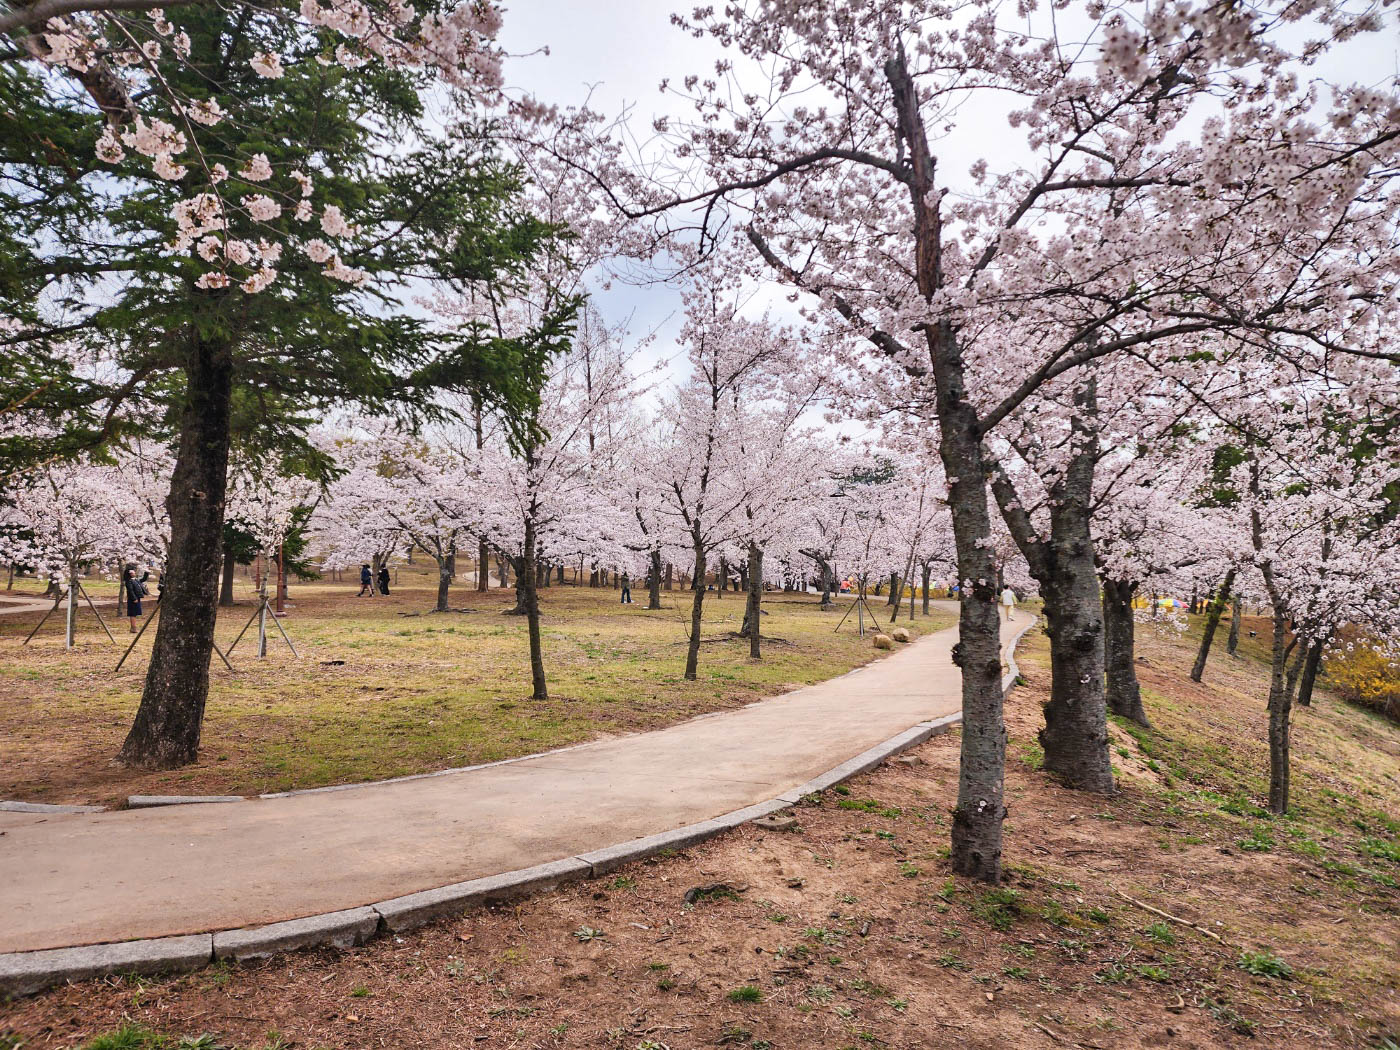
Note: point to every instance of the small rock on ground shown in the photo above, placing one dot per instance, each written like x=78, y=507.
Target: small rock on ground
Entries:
x=776, y=823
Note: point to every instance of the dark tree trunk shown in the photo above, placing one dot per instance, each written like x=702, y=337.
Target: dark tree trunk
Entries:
x=1236, y=614
x=226, y=585
x=1213, y=614
x=1075, y=737
x=1122, y=692
x=697, y=602
x=166, y=731
x=927, y=574
x=1295, y=672
x=531, y=596
x=828, y=583
x=1280, y=711
x=518, y=564
x=896, y=592
x=722, y=580
x=483, y=567
x=444, y=582
x=670, y=576
x=503, y=571
x=744, y=576
x=654, y=582
x=1310, y=667
x=753, y=610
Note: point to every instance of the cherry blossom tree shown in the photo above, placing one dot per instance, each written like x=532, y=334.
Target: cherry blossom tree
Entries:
x=1122, y=228
x=728, y=355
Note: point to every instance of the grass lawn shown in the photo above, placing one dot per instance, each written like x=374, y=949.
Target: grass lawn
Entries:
x=851, y=931
x=381, y=689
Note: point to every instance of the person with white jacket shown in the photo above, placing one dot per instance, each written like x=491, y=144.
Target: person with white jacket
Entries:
x=1008, y=602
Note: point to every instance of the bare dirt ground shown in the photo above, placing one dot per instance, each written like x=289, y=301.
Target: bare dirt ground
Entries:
x=850, y=932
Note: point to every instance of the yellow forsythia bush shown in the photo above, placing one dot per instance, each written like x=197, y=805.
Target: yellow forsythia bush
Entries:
x=1361, y=673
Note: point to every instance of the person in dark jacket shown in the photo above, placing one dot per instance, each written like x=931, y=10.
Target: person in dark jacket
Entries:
x=366, y=582
x=133, y=590
x=383, y=579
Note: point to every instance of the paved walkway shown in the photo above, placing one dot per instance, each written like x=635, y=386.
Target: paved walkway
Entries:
x=73, y=879
x=12, y=604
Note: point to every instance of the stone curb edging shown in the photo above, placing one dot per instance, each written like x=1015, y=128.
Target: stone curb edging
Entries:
x=45, y=807
x=155, y=801
x=24, y=973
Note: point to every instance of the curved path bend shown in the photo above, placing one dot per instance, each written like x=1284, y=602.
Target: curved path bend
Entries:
x=87, y=878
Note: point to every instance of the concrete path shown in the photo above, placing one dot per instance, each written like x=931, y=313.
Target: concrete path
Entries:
x=14, y=604
x=74, y=879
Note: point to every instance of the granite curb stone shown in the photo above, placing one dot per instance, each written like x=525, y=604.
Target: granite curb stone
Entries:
x=23, y=973
x=152, y=801
x=44, y=807
x=604, y=860
x=748, y=813
x=415, y=909
x=341, y=929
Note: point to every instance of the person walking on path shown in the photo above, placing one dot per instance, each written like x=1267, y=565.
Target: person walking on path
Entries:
x=383, y=579
x=366, y=582
x=1008, y=602
x=626, y=589
x=133, y=590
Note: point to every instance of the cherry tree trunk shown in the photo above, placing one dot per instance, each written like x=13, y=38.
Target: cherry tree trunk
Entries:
x=166, y=730
x=1236, y=613
x=1280, y=711
x=654, y=582
x=896, y=591
x=1122, y=692
x=483, y=566
x=927, y=574
x=753, y=610
x=1213, y=614
x=1075, y=736
x=981, y=808
x=226, y=585
x=1310, y=668
x=697, y=602
x=531, y=599
x=444, y=581
x=1295, y=672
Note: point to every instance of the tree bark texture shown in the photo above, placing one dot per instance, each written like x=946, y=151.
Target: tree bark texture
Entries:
x=1213, y=614
x=654, y=582
x=531, y=597
x=1280, y=711
x=1310, y=668
x=444, y=581
x=226, y=584
x=697, y=602
x=166, y=731
x=753, y=611
x=1236, y=614
x=1122, y=692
